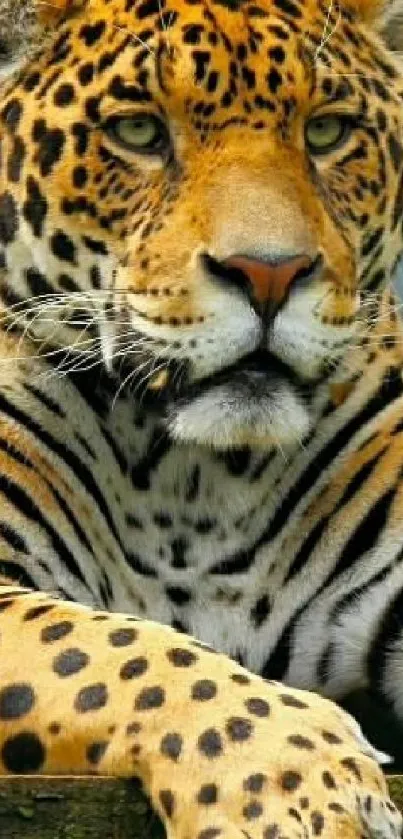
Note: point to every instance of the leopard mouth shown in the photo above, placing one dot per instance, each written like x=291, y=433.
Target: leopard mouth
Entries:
x=253, y=372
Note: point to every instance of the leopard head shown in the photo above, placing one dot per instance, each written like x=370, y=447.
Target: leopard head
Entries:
x=203, y=193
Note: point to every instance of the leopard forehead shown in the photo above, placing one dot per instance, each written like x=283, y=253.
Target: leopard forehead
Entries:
x=256, y=58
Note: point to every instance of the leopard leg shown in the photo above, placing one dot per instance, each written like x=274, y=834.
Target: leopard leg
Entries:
x=220, y=752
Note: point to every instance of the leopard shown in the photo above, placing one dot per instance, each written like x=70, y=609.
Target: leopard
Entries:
x=201, y=396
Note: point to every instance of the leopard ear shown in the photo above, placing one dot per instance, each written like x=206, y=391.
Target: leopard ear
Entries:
x=23, y=28
x=391, y=25
x=385, y=17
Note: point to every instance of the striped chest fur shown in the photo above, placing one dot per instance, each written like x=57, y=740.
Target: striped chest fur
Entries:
x=289, y=562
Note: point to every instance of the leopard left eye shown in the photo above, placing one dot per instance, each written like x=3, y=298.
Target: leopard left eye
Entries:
x=141, y=133
x=324, y=134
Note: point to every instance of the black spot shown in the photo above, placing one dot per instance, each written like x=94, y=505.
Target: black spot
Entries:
x=67, y=283
x=133, y=728
x=86, y=73
x=171, y=745
x=54, y=728
x=11, y=114
x=301, y=742
x=56, y=631
x=208, y=794
x=91, y=698
x=239, y=729
x=23, y=753
x=201, y=59
x=92, y=109
x=35, y=207
x=179, y=548
x=121, y=91
x=252, y=810
x=290, y=780
x=203, y=690
x=274, y=80
x=178, y=595
x=331, y=737
x=16, y=700
x=91, y=33
x=37, y=611
x=336, y=807
x=122, y=637
x=8, y=218
x=80, y=132
x=254, y=783
x=209, y=833
x=163, y=520
x=193, y=484
x=240, y=678
x=257, y=706
x=133, y=668
x=95, y=245
x=149, y=7
x=181, y=657
x=167, y=801
x=292, y=701
x=277, y=54
x=210, y=743
x=95, y=278
x=32, y=81
x=260, y=610
x=80, y=177
x=50, y=146
x=317, y=822
x=64, y=95
x=351, y=764
x=15, y=160
x=288, y=8
x=396, y=151
x=328, y=780
x=150, y=698
x=63, y=247
x=96, y=751
x=70, y=662
x=204, y=526
x=37, y=282
x=192, y=33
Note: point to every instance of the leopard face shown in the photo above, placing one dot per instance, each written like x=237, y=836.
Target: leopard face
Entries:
x=219, y=187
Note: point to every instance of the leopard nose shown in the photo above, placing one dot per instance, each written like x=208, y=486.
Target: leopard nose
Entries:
x=269, y=280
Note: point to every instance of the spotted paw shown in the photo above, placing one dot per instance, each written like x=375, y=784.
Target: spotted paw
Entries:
x=221, y=753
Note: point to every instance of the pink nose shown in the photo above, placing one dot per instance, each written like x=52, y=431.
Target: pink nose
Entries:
x=270, y=281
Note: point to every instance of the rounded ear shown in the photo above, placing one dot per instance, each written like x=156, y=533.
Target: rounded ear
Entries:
x=23, y=28
x=392, y=25
x=385, y=17
x=19, y=32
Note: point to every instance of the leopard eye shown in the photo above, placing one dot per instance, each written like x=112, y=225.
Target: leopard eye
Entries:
x=143, y=133
x=323, y=134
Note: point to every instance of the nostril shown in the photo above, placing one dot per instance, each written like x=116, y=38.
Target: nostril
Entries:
x=223, y=271
x=265, y=280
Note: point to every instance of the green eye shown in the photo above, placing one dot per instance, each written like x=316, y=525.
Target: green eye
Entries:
x=323, y=134
x=143, y=133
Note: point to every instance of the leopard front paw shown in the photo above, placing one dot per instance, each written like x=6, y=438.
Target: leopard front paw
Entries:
x=221, y=753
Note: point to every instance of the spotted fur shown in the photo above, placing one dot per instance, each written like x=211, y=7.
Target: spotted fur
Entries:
x=141, y=700
x=201, y=385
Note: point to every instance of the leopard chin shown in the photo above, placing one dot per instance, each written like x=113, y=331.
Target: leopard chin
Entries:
x=256, y=402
